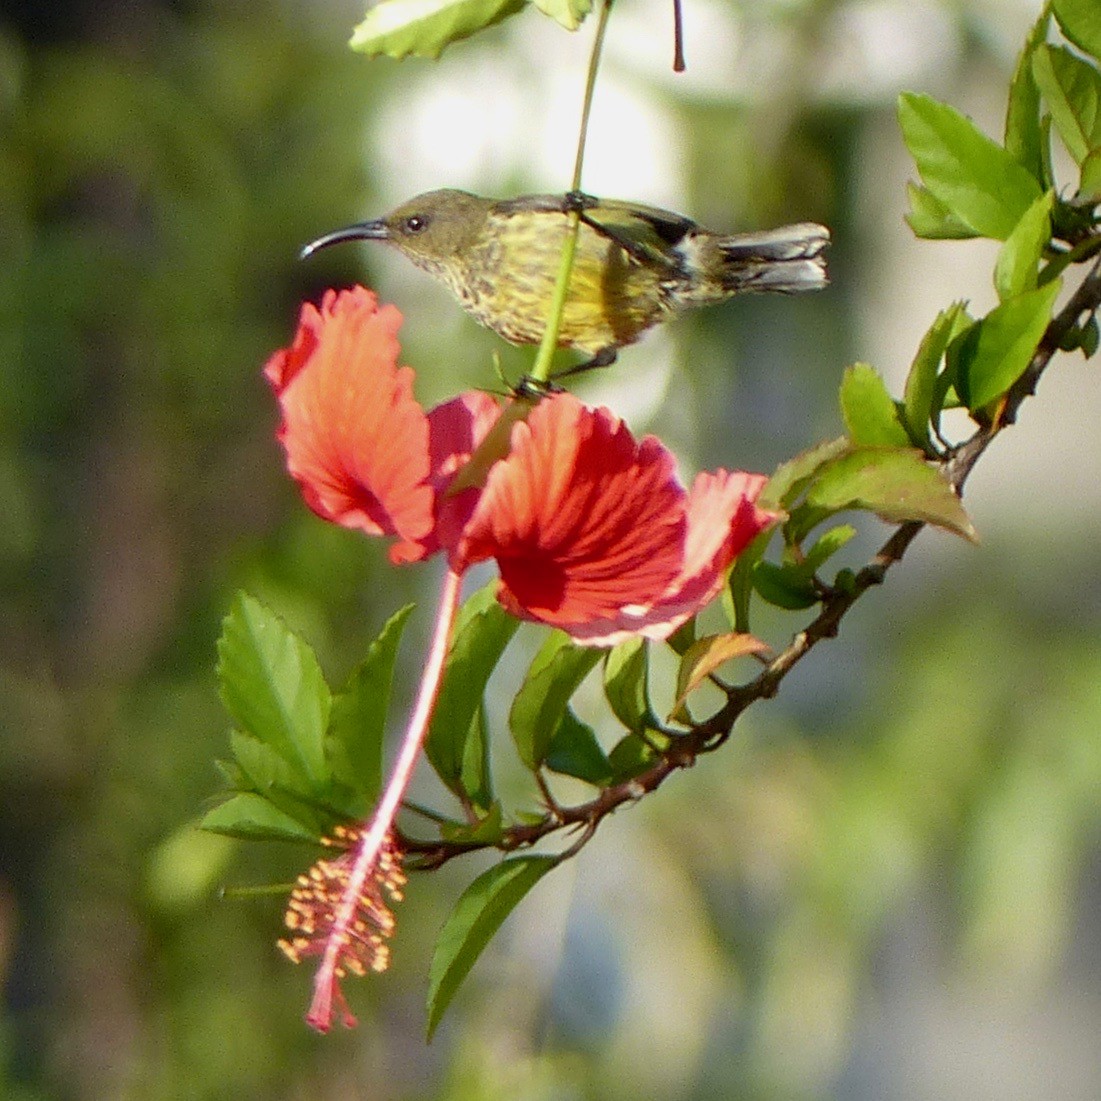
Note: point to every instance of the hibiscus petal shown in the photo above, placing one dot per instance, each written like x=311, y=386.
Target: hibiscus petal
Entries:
x=455, y=430
x=723, y=519
x=581, y=519
x=356, y=439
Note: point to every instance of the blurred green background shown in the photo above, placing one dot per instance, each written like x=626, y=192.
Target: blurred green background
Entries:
x=886, y=887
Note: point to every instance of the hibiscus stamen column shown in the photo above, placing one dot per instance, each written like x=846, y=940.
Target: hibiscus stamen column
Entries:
x=377, y=839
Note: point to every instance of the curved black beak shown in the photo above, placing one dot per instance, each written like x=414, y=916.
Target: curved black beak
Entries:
x=361, y=231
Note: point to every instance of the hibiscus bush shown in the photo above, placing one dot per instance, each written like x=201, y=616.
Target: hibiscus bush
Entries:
x=594, y=536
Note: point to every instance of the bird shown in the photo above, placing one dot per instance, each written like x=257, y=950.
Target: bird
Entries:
x=635, y=266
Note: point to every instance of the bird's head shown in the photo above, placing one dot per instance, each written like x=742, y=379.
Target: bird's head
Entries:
x=432, y=230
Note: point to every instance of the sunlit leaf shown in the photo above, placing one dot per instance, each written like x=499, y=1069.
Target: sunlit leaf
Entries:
x=1024, y=137
x=272, y=685
x=896, y=484
x=931, y=219
x=400, y=28
x=870, y=413
x=569, y=13
x=253, y=818
x=1019, y=258
x=482, y=632
x=1072, y=91
x=707, y=655
x=470, y=926
x=1090, y=185
x=974, y=177
x=575, y=751
x=488, y=830
x=553, y=676
x=791, y=478
x=919, y=407
x=1081, y=23
x=998, y=349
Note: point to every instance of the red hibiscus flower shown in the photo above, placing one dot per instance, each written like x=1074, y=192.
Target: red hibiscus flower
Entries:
x=590, y=529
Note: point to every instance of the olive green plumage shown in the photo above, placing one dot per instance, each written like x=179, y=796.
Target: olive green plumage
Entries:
x=635, y=266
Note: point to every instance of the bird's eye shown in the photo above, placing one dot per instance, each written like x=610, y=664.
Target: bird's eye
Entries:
x=415, y=223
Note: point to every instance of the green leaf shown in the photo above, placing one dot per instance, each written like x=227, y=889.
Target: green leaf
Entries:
x=869, y=410
x=974, y=177
x=931, y=219
x=898, y=485
x=488, y=830
x=787, y=586
x=1081, y=23
x=1024, y=137
x=482, y=632
x=252, y=818
x=570, y=13
x=575, y=751
x=827, y=545
x=554, y=675
x=470, y=926
x=1019, y=258
x=1072, y=89
x=359, y=712
x=1090, y=185
x=737, y=594
x=476, y=780
x=399, y=28
x=272, y=685
x=792, y=477
x=919, y=409
x=631, y=755
x=998, y=348
x=626, y=683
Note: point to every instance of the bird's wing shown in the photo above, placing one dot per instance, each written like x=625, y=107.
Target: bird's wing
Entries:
x=644, y=232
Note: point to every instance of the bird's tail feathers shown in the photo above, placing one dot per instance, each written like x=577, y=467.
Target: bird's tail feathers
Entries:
x=785, y=260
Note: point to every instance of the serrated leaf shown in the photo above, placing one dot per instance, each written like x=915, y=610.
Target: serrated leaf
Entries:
x=358, y=717
x=626, y=683
x=930, y=219
x=252, y=818
x=869, y=410
x=482, y=632
x=422, y=28
x=470, y=926
x=1024, y=136
x=707, y=655
x=973, y=176
x=1081, y=23
x=569, y=13
x=272, y=685
x=999, y=347
x=1019, y=258
x=575, y=751
x=1072, y=90
x=555, y=673
x=898, y=485
x=793, y=476
x=919, y=407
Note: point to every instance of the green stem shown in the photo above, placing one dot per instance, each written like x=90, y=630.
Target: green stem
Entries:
x=540, y=371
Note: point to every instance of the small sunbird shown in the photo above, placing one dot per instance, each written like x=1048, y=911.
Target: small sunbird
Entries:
x=634, y=267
